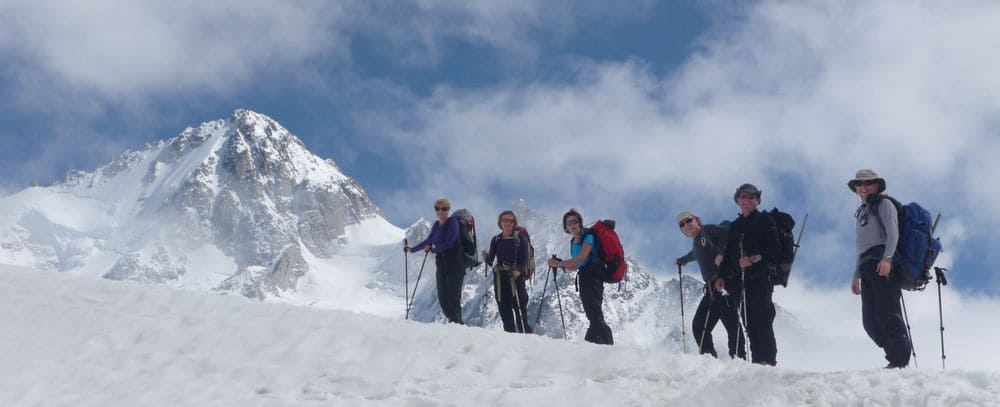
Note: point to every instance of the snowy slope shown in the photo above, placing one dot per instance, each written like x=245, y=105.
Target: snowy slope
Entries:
x=74, y=341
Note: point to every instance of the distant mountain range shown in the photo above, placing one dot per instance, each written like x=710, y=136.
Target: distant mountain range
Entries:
x=241, y=206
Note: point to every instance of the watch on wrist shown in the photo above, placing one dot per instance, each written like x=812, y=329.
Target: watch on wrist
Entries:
x=888, y=258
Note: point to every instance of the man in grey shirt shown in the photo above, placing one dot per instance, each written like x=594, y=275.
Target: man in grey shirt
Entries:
x=877, y=236
x=709, y=245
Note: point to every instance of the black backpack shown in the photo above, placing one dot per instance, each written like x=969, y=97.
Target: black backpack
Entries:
x=467, y=237
x=786, y=245
x=531, y=250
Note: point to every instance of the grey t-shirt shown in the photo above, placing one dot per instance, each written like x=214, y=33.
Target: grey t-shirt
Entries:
x=876, y=230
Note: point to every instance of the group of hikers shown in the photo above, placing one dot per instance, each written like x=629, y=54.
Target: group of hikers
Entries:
x=738, y=262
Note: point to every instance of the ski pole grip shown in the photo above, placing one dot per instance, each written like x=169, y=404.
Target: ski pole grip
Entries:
x=939, y=272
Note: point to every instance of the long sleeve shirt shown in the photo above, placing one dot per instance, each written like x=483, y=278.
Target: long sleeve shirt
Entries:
x=508, y=251
x=443, y=238
x=754, y=234
x=877, y=224
x=710, y=242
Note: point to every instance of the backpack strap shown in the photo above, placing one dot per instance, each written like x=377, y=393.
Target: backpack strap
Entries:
x=593, y=250
x=517, y=245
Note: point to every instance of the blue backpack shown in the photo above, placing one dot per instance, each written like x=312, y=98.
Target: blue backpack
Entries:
x=917, y=249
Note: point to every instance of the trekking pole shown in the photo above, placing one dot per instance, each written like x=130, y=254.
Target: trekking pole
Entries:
x=519, y=323
x=417, y=283
x=802, y=230
x=680, y=289
x=743, y=308
x=486, y=289
x=406, y=274
x=909, y=335
x=708, y=315
x=701, y=342
x=555, y=282
x=541, y=299
x=941, y=280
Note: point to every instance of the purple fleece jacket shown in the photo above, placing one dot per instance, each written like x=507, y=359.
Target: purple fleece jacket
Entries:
x=442, y=237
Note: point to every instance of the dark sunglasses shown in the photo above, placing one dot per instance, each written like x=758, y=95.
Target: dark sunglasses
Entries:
x=572, y=222
x=685, y=222
x=866, y=182
x=440, y=209
x=747, y=196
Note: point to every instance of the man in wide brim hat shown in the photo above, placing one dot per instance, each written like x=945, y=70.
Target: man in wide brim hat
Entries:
x=877, y=231
x=864, y=176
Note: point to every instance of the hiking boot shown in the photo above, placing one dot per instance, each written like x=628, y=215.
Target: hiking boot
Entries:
x=894, y=365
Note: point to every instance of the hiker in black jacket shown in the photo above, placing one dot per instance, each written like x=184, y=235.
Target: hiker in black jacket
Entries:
x=709, y=243
x=877, y=236
x=510, y=250
x=751, y=258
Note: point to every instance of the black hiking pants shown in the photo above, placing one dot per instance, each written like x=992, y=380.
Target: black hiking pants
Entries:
x=712, y=309
x=450, y=278
x=592, y=297
x=759, y=314
x=512, y=313
x=882, y=315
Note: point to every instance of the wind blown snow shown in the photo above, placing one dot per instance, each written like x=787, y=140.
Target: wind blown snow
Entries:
x=72, y=340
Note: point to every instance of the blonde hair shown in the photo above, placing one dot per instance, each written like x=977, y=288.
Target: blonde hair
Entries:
x=443, y=203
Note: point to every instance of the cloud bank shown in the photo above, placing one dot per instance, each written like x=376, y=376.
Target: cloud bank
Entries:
x=794, y=98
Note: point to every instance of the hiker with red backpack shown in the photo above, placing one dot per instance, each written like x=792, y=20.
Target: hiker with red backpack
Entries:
x=752, y=255
x=449, y=258
x=511, y=250
x=592, y=275
x=877, y=238
x=709, y=247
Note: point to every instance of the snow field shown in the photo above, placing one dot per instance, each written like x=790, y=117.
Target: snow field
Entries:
x=71, y=340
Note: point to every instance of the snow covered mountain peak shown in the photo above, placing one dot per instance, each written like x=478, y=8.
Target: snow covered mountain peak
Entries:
x=232, y=205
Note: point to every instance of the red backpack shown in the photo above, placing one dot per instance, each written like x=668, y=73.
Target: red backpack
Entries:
x=609, y=250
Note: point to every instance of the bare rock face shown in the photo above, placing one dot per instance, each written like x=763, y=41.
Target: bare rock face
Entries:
x=159, y=268
x=259, y=283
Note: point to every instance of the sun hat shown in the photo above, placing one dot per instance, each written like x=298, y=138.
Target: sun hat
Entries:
x=866, y=175
x=685, y=215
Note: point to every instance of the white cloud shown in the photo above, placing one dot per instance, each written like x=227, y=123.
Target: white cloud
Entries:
x=124, y=49
x=795, y=98
x=127, y=49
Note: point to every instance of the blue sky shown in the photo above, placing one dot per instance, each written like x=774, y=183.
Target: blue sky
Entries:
x=632, y=111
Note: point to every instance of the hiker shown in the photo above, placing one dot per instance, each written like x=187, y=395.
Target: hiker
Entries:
x=716, y=304
x=510, y=250
x=751, y=259
x=877, y=235
x=591, y=284
x=443, y=241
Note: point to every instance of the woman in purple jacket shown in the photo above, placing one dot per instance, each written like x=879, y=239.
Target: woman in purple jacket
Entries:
x=443, y=241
